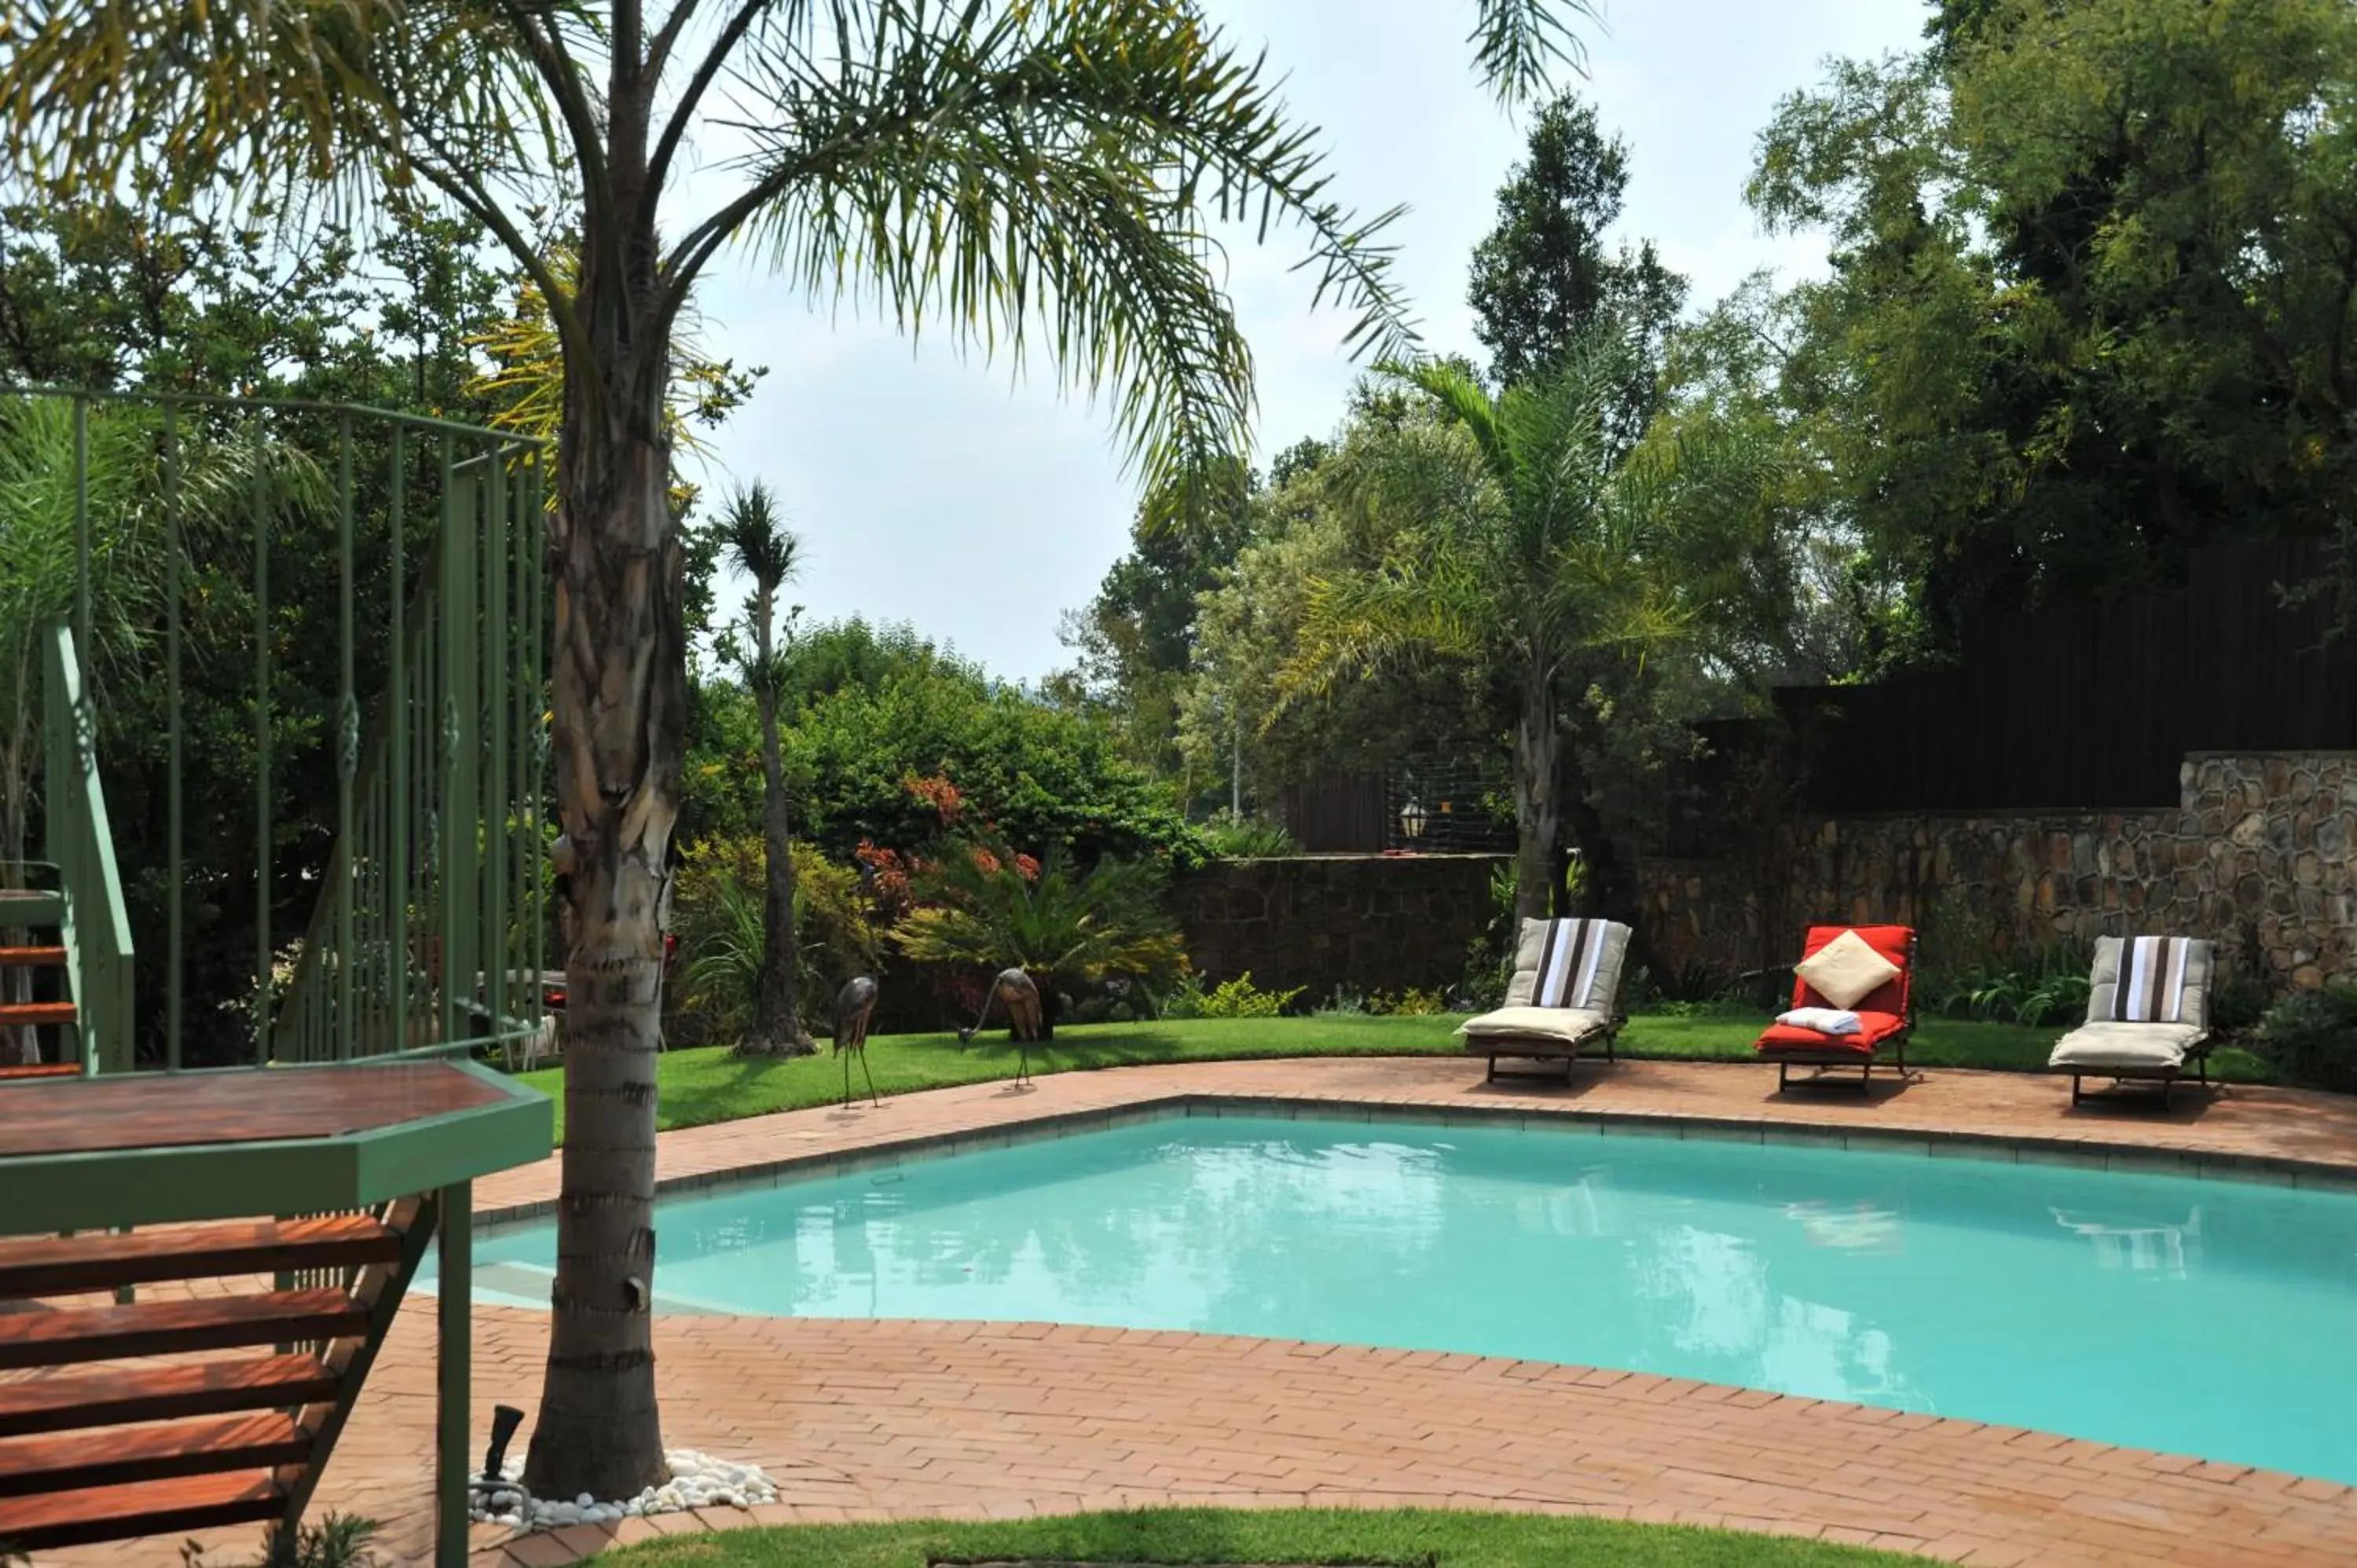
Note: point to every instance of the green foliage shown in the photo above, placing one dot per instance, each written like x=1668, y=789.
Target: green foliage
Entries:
x=1240, y=998
x=2091, y=296
x=717, y=912
x=1247, y=838
x=989, y=909
x=1543, y=278
x=1411, y=1002
x=2044, y=985
x=868, y=708
x=2311, y=1037
x=339, y=1540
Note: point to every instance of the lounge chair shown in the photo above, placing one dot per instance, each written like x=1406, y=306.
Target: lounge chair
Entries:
x=1564, y=998
x=1864, y=971
x=2147, y=1015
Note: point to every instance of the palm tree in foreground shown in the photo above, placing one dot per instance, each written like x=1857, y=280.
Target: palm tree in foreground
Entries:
x=1011, y=171
x=767, y=551
x=1527, y=544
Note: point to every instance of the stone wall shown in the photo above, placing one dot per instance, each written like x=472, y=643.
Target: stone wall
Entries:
x=1368, y=922
x=2257, y=858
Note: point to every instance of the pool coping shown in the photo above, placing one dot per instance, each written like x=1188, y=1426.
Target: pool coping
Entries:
x=2004, y=1148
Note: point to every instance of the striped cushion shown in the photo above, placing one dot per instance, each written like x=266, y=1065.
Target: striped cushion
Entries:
x=2151, y=988
x=1568, y=959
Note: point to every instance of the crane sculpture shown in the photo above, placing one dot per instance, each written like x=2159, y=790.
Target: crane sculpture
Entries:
x=855, y=1005
x=1023, y=1016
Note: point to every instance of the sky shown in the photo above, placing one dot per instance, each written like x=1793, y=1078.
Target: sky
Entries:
x=946, y=493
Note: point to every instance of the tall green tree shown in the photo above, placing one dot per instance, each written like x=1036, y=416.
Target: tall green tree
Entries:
x=1534, y=544
x=1547, y=273
x=761, y=546
x=1012, y=172
x=2092, y=296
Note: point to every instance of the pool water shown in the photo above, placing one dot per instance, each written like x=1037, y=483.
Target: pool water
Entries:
x=2217, y=1319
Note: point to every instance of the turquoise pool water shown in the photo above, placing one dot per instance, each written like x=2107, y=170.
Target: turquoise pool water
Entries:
x=2201, y=1317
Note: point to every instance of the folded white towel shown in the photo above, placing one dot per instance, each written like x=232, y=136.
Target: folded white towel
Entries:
x=1824, y=1020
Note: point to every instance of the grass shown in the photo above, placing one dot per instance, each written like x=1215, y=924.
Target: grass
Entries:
x=699, y=1087
x=1288, y=1535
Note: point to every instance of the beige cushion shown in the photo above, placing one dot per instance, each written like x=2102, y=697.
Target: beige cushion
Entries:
x=1604, y=991
x=2141, y=1046
x=1569, y=1025
x=1847, y=969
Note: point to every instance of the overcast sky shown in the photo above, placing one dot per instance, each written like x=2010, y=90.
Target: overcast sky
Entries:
x=945, y=494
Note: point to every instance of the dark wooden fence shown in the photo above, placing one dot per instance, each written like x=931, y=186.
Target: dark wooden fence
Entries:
x=2069, y=706
x=1343, y=813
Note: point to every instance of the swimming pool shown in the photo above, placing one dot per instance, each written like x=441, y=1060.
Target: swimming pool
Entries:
x=2201, y=1317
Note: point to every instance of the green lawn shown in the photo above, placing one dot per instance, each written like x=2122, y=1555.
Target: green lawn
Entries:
x=1204, y=1535
x=710, y=1085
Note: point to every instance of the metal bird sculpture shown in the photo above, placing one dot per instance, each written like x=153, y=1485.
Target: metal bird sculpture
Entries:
x=855, y=1005
x=1023, y=1015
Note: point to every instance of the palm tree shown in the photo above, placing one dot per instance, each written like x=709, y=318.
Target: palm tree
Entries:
x=1008, y=171
x=1527, y=544
x=766, y=550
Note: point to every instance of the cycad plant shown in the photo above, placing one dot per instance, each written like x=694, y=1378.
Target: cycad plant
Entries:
x=1067, y=929
x=1527, y=543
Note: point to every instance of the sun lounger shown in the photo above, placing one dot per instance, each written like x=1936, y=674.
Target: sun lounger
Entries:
x=2147, y=1015
x=1564, y=996
x=1864, y=971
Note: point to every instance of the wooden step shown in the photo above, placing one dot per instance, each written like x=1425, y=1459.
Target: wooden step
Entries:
x=100, y=1261
x=71, y=1400
x=40, y=1069
x=151, y=1507
x=119, y=1457
x=164, y=1327
x=32, y=958
x=15, y=1014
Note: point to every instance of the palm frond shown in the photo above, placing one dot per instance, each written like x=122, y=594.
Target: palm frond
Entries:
x=1516, y=43
x=754, y=532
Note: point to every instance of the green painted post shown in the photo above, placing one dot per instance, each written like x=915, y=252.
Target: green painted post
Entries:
x=347, y=746
x=81, y=627
x=497, y=822
x=397, y=791
x=454, y=1347
x=175, y=847
x=261, y=835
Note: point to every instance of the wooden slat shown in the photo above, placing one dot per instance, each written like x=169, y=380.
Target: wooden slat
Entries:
x=165, y=1328
x=32, y=958
x=17, y=1015
x=34, y=907
x=120, y=1457
x=152, y=1507
x=97, y=1261
x=149, y=1110
x=41, y=1069
x=70, y=1401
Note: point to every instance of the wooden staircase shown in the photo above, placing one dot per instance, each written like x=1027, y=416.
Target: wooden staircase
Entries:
x=200, y=1405
x=40, y=912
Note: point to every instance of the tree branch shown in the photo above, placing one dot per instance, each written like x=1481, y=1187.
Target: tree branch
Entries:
x=707, y=69
x=558, y=71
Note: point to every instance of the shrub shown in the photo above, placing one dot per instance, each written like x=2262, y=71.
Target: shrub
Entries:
x=1348, y=1002
x=2044, y=985
x=1230, y=837
x=2310, y=1036
x=717, y=912
x=1409, y=1003
x=1240, y=998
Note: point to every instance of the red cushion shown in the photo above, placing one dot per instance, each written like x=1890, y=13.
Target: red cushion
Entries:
x=1892, y=942
x=1876, y=1026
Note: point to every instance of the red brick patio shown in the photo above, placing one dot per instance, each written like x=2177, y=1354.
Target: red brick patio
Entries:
x=895, y=1419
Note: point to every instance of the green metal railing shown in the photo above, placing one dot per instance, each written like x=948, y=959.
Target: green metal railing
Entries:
x=97, y=924
x=351, y=604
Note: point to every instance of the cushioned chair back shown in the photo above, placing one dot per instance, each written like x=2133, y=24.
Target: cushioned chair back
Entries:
x=2156, y=966
x=1896, y=943
x=1557, y=947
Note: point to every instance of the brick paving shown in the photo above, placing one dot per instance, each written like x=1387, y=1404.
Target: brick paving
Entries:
x=862, y=1420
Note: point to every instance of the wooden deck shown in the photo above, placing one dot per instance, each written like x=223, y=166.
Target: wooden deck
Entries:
x=155, y=1111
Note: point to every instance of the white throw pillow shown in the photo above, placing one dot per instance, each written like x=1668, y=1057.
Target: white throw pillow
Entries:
x=1824, y=1020
x=1847, y=969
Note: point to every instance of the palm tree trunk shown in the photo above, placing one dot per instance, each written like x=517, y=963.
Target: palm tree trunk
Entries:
x=1538, y=746
x=778, y=1024
x=619, y=670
